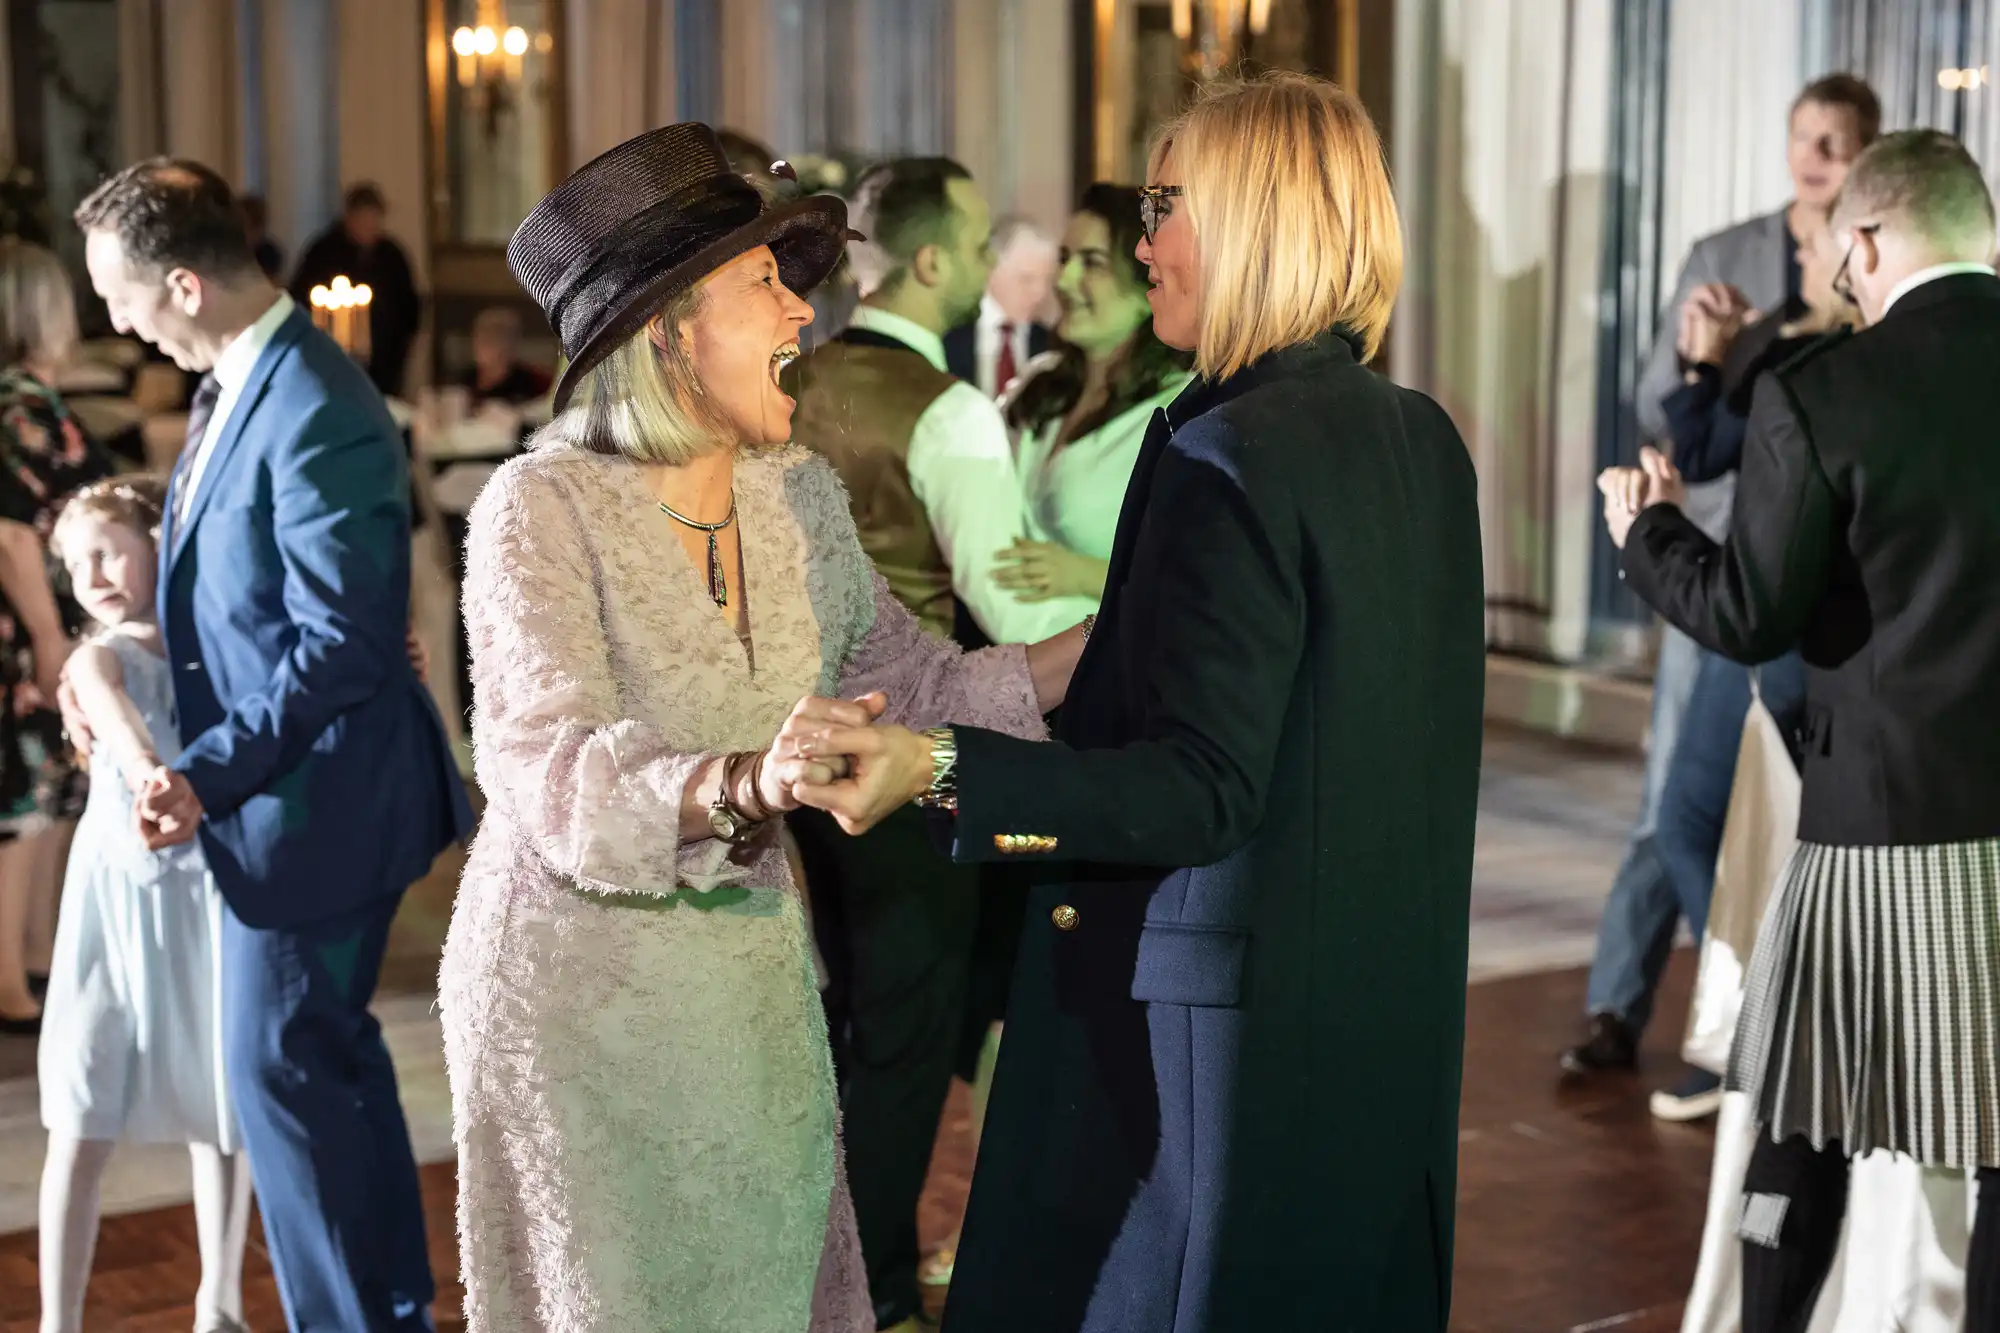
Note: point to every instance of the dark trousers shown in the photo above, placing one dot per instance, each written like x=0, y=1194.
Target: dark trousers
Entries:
x=315, y=1096
x=898, y=923
x=1794, y=1203
x=1695, y=800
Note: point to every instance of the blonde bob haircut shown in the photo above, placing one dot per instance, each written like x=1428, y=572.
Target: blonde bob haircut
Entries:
x=646, y=402
x=1283, y=181
x=37, y=305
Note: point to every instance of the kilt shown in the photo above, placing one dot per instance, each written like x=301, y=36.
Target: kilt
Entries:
x=1871, y=1014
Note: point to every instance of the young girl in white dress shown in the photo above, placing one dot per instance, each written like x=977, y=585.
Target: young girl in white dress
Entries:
x=130, y=1048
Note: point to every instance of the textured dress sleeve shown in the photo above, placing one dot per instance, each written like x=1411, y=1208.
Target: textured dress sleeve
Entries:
x=929, y=681
x=597, y=795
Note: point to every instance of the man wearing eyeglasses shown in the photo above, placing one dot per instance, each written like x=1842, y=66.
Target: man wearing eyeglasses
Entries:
x=1727, y=279
x=1866, y=533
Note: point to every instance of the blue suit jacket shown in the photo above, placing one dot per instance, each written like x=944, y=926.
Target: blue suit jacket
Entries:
x=284, y=597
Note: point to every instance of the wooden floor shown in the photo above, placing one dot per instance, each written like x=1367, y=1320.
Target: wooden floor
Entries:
x=1576, y=1209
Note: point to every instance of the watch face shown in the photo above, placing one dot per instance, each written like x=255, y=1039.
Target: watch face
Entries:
x=722, y=822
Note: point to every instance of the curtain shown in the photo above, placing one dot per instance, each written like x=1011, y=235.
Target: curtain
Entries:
x=1634, y=267
x=1902, y=47
x=1732, y=72
x=1702, y=95
x=1499, y=156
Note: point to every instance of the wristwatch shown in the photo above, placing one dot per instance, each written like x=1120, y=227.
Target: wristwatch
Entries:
x=728, y=823
x=942, y=794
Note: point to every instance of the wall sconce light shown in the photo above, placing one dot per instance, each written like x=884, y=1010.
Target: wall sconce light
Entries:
x=489, y=64
x=1218, y=29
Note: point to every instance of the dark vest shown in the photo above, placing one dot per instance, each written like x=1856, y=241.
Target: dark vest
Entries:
x=859, y=398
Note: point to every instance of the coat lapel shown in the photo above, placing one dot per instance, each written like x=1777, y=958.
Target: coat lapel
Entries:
x=240, y=413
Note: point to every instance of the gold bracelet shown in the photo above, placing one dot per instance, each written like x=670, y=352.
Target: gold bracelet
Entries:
x=1089, y=625
x=942, y=794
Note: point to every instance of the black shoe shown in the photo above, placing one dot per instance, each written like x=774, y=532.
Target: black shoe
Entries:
x=1696, y=1096
x=1612, y=1044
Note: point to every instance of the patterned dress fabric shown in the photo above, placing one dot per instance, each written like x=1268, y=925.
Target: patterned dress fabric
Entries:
x=643, y=1098
x=44, y=457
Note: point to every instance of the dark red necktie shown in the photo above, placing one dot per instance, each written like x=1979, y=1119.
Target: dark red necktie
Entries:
x=1004, y=369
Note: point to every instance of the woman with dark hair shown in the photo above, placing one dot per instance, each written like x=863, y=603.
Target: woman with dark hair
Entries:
x=45, y=455
x=1082, y=410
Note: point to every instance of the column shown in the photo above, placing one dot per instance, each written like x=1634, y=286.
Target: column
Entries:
x=301, y=48
x=620, y=71
x=200, y=110
x=383, y=107
x=1013, y=106
x=1038, y=109
x=748, y=76
x=141, y=113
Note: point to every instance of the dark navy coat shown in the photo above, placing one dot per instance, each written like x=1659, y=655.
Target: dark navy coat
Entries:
x=1228, y=1093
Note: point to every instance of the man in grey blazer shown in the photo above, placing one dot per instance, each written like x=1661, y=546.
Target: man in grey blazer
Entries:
x=1750, y=267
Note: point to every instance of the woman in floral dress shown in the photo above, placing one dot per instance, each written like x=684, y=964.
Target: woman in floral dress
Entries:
x=44, y=457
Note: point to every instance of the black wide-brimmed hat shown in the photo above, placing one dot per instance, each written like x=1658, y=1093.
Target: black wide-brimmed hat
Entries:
x=634, y=227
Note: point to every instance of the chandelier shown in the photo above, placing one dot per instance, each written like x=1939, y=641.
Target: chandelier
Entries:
x=1217, y=30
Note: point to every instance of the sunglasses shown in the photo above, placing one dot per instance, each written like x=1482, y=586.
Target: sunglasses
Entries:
x=1843, y=286
x=1155, y=207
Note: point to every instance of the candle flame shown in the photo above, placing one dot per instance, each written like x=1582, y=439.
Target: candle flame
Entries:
x=341, y=294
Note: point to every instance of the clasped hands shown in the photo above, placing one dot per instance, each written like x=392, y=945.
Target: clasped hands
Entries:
x=835, y=755
x=168, y=811
x=1629, y=490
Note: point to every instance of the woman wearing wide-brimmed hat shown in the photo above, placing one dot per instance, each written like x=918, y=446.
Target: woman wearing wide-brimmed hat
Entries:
x=665, y=602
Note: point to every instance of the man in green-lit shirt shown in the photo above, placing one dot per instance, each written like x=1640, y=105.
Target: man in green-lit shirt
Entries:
x=930, y=471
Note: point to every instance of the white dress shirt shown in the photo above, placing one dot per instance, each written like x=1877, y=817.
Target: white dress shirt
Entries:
x=232, y=370
x=962, y=471
x=986, y=342
x=1931, y=274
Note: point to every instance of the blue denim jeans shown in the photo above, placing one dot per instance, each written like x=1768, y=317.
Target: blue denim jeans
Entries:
x=1636, y=932
x=1688, y=831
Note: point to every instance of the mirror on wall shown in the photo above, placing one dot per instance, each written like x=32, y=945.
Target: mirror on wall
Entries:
x=497, y=123
x=1150, y=56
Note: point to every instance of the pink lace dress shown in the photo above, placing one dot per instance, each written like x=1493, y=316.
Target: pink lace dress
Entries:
x=642, y=1096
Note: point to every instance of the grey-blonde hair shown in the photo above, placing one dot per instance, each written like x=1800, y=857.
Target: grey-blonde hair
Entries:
x=37, y=304
x=647, y=402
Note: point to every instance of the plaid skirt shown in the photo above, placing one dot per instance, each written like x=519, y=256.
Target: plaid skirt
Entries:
x=1871, y=1013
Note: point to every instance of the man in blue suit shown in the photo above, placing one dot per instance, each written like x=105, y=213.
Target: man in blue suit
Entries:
x=316, y=770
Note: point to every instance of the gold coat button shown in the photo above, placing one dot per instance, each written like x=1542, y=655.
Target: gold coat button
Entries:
x=1064, y=917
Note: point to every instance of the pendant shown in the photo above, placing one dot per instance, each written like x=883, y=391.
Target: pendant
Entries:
x=717, y=589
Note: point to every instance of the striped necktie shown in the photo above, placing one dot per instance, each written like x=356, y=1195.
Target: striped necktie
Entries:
x=200, y=409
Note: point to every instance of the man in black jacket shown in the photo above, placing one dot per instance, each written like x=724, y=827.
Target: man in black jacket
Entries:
x=357, y=248
x=1867, y=534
